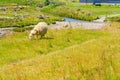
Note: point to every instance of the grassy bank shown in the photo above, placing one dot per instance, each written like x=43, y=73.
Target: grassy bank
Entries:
x=36, y=3
x=66, y=11
x=66, y=54
x=18, y=47
x=98, y=10
x=95, y=58
x=114, y=19
x=20, y=15
x=24, y=2
x=79, y=11
x=14, y=15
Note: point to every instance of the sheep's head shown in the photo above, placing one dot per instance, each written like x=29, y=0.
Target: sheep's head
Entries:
x=31, y=36
x=32, y=33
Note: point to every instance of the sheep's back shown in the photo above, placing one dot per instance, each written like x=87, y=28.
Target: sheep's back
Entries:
x=40, y=26
x=43, y=30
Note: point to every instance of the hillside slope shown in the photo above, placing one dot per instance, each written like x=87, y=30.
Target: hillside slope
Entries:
x=97, y=59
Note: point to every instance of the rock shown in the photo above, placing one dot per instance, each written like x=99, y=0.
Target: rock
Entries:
x=43, y=17
x=21, y=16
x=40, y=17
x=18, y=8
x=5, y=31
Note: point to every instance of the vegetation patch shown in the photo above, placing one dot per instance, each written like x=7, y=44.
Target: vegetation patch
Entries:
x=82, y=12
x=113, y=19
x=21, y=16
x=24, y=2
x=18, y=46
x=96, y=58
x=22, y=29
x=65, y=11
x=105, y=10
x=66, y=54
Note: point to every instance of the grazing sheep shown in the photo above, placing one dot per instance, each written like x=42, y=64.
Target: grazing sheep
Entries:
x=39, y=30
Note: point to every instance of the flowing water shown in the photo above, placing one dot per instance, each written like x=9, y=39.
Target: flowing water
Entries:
x=74, y=20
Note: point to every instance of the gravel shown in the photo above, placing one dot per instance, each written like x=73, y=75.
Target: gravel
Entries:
x=5, y=31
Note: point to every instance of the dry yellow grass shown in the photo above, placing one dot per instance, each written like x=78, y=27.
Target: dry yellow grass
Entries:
x=97, y=59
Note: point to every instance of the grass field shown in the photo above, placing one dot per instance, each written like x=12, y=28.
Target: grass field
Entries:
x=24, y=2
x=18, y=46
x=83, y=12
x=66, y=11
x=17, y=13
x=98, y=10
x=114, y=19
x=66, y=54
x=13, y=15
x=81, y=55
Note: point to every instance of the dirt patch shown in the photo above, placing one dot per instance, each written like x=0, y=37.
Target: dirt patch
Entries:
x=5, y=31
x=84, y=25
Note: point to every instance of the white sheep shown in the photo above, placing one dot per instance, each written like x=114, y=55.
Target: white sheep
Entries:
x=39, y=30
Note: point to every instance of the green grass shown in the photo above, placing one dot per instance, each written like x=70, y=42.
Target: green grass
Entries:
x=23, y=17
x=66, y=11
x=55, y=12
x=95, y=58
x=97, y=10
x=23, y=29
x=68, y=54
x=18, y=47
x=85, y=61
x=82, y=12
x=113, y=19
x=24, y=2
x=31, y=2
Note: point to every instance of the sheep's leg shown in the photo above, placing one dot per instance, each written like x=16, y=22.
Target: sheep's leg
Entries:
x=42, y=36
x=37, y=37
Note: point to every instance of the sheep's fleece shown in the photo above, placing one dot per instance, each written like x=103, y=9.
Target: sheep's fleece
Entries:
x=39, y=29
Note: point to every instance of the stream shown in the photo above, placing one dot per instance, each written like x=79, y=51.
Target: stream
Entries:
x=74, y=20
